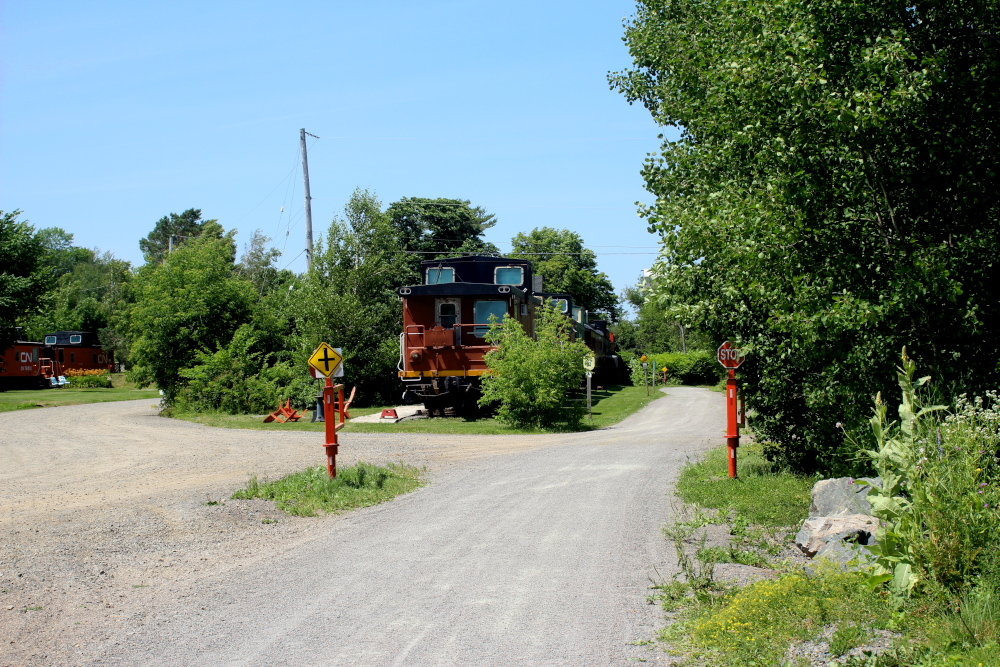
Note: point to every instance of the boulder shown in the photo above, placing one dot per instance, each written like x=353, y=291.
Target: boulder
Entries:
x=840, y=496
x=816, y=532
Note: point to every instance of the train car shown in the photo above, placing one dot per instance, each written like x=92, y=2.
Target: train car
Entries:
x=79, y=350
x=445, y=321
x=28, y=365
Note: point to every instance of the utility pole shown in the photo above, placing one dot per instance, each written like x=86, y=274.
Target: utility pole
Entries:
x=305, y=184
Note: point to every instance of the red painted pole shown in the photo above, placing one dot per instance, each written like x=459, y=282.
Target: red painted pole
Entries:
x=732, y=422
x=331, y=429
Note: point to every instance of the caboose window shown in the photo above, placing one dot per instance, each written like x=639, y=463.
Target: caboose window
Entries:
x=440, y=276
x=483, y=311
x=562, y=305
x=73, y=340
x=50, y=340
x=447, y=312
x=508, y=275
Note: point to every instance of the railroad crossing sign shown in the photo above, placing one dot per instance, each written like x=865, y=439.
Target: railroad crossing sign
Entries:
x=730, y=357
x=589, y=362
x=327, y=361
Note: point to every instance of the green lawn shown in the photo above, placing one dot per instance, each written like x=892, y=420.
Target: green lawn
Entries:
x=610, y=406
x=23, y=399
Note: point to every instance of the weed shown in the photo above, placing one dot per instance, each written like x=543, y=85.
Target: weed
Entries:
x=847, y=637
x=310, y=491
x=37, y=608
x=213, y=503
x=267, y=520
x=140, y=585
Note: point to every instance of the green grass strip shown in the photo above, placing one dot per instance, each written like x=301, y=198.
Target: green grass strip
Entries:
x=610, y=406
x=761, y=495
x=23, y=399
x=311, y=491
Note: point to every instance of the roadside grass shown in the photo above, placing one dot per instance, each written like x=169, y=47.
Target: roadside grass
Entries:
x=311, y=491
x=24, y=399
x=761, y=495
x=610, y=405
x=770, y=623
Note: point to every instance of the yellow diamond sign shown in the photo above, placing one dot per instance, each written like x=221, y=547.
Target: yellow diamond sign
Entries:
x=325, y=360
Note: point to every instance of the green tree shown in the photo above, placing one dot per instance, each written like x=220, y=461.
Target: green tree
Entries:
x=190, y=302
x=432, y=228
x=23, y=280
x=832, y=197
x=348, y=298
x=531, y=378
x=567, y=267
x=182, y=228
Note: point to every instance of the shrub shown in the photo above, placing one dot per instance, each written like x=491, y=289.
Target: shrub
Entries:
x=532, y=378
x=693, y=368
x=940, y=489
x=100, y=380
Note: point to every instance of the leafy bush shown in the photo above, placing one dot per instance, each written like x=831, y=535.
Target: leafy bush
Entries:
x=531, y=379
x=693, y=368
x=238, y=380
x=100, y=380
x=940, y=489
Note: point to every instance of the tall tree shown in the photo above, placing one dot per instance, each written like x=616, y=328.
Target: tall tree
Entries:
x=432, y=228
x=190, y=302
x=22, y=278
x=181, y=228
x=566, y=266
x=348, y=298
x=833, y=196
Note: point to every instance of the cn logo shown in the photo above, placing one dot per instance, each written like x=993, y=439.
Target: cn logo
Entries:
x=730, y=357
x=25, y=357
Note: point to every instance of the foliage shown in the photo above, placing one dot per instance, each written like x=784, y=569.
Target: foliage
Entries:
x=655, y=328
x=758, y=624
x=433, y=228
x=531, y=379
x=940, y=489
x=348, y=299
x=567, y=267
x=100, y=380
x=237, y=379
x=22, y=280
x=190, y=302
x=184, y=227
x=311, y=491
x=833, y=194
x=692, y=368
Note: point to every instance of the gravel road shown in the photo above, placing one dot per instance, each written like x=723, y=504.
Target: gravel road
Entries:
x=120, y=546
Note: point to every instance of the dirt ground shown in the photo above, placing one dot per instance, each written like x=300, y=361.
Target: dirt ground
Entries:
x=103, y=505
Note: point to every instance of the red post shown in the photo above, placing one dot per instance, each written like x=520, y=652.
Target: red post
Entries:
x=732, y=421
x=331, y=428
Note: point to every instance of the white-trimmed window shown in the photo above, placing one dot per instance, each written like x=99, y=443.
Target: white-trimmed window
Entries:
x=508, y=275
x=562, y=305
x=50, y=340
x=440, y=275
x=447, y=312
x=484, y=309
x=75, y=339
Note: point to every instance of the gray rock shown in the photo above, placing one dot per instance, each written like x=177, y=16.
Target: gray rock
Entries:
x=840, y=496
x=816, y=532
x=844, y=552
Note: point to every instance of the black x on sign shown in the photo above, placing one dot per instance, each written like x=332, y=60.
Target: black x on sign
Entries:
x=326, y=360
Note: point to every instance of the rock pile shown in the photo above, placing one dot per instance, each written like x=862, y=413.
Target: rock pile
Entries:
x=839, y=516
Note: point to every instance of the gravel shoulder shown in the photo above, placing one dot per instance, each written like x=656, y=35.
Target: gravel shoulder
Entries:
x=528, y=548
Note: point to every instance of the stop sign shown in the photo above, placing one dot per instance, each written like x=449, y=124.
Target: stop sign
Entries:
x=729, y=356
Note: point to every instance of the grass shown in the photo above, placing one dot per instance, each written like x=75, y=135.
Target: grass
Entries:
x=610, y=406
x=311, y=491
x=25, y=399
x=760, y=495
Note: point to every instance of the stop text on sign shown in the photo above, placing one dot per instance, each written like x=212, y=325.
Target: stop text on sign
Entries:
x=729, y=356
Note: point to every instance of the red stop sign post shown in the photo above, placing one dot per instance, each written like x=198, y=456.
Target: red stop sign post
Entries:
x=731, y=357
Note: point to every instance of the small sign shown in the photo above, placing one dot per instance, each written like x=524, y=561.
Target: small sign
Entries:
x=730, y=357
x=643, y=358
x=589, y=362
x=327, y=361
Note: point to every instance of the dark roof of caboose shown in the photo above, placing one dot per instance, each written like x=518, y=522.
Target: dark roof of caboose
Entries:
x=476, y=268
x=87, y=339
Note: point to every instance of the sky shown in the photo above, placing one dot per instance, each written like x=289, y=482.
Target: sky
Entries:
x=114, y=114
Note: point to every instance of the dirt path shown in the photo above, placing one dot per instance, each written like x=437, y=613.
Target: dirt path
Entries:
x=537, y=547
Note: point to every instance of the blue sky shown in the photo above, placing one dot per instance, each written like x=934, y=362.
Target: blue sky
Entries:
x=113, y=114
